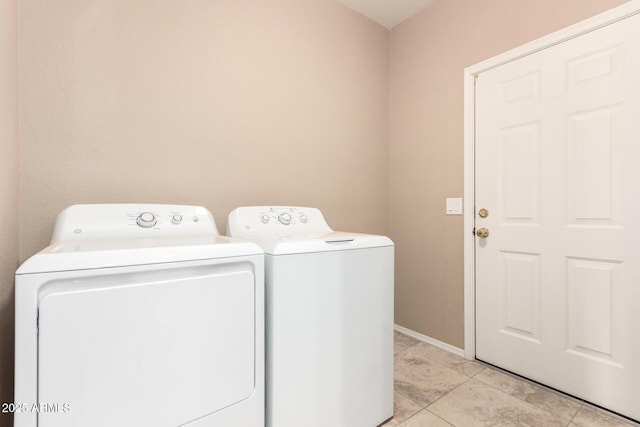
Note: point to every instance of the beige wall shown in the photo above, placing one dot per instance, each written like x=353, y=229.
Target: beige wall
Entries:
x=8, y=193
x=428, y=54
x=220, y=103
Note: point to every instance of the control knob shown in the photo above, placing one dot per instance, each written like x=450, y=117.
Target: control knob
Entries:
x=264, y=219
x=284, y=218
x=146, y=220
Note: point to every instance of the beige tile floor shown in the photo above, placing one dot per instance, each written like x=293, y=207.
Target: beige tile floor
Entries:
x=436, y=388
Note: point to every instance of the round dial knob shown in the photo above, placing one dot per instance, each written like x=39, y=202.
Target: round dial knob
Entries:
x=284, y=218
x=264, y=219
x=176, y=218
x=303, y=219
x=146, y=220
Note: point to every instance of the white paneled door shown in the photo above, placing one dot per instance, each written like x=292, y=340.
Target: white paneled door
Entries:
x=558, y=172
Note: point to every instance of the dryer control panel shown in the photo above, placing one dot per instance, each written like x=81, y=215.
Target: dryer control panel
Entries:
x=123, y=221
x=276, y=219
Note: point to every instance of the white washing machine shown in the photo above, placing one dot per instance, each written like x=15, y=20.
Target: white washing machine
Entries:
x=140, y=315
x=329, y=299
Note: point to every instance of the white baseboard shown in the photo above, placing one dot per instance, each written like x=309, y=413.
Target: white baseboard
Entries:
x=443, y=345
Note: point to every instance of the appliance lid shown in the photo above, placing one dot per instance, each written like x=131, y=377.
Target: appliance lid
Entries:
x=287, y=244
x=94, y=254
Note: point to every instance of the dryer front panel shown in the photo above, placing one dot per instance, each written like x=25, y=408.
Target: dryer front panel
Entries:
x=155, y=348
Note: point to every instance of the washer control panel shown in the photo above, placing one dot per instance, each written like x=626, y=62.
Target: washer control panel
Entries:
x=285, y=216
x=159, y=218
x=121, y=221
x=277, y=219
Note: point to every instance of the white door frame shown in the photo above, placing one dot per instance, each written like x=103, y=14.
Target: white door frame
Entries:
x=470, y=73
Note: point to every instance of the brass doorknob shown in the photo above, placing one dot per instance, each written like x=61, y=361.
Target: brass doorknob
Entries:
x=483, y=213
x=483, y=233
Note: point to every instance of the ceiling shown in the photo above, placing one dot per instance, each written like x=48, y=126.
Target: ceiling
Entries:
x=387, y=13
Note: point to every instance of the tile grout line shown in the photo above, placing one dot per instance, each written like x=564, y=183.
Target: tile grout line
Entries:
x=582, y=404
x=437, y=363
x=460, y=370
x=535, y=385
x=426, y=407
x=526, y=401
x=446, y=394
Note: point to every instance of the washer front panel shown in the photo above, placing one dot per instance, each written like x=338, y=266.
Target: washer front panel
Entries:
x=330, y=338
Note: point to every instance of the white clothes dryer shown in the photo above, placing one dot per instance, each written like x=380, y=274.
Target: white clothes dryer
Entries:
x=329, y=304
x=140, y=315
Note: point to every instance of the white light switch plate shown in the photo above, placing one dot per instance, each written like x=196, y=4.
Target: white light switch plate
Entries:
x=454, y=206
